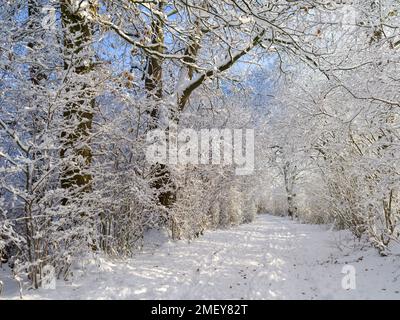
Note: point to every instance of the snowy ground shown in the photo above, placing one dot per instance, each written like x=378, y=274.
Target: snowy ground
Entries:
x=272, y=258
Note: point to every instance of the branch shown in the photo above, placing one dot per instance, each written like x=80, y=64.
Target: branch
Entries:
x=195, y=83
x=14, y=136
x=146, y=48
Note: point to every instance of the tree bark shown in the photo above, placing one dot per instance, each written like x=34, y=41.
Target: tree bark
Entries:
x=153, y=82
x=78, y=114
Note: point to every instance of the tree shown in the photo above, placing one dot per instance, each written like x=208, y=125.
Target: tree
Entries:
x=78, y=113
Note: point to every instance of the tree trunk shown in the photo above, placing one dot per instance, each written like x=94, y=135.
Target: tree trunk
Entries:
x=292, y=209
x=35, y=167
x=78, y=114
x=76, y=177
x=154, y=87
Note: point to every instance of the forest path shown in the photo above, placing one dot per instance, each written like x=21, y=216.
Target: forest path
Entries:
x=271, y=258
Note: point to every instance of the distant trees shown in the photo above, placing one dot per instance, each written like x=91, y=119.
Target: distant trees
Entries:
x=347, y=118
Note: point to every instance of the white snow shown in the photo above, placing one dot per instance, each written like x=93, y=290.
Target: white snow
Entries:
x=271, y=258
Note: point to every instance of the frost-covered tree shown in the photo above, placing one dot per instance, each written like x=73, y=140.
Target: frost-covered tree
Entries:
x=348, y=118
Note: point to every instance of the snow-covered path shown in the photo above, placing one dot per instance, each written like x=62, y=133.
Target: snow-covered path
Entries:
x=271, y=258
